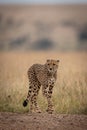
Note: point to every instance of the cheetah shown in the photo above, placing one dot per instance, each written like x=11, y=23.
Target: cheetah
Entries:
x=41, y=75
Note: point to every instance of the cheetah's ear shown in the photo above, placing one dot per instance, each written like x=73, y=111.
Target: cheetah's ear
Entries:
x=48, y=60
x=58, y=61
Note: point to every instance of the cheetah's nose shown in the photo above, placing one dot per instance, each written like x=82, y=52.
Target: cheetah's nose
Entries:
x=50, y=68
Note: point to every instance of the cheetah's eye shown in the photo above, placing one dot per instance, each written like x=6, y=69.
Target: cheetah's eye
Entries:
x=48, y=64
x=53, y=64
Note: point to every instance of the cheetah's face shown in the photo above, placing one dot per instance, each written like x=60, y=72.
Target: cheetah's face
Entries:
x=52, y=65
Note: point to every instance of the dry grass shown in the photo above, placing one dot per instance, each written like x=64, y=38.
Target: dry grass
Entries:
x=70, y=92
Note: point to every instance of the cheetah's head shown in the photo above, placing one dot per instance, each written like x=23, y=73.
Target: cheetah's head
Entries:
x=52, y=65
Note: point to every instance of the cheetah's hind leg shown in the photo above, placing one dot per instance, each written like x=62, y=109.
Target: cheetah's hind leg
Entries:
x=34, y=97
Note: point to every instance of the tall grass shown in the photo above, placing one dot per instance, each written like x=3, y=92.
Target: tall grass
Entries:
x=70, y=92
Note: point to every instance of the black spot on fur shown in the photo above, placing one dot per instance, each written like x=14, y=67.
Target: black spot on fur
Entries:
x=25, y=103
x=30, y=87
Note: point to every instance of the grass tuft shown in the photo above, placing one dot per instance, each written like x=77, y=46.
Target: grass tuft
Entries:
x=69, y=94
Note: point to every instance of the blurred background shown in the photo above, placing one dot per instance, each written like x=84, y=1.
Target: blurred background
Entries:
x=43, y=25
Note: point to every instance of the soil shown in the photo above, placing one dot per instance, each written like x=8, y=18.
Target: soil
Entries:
x=42, y=121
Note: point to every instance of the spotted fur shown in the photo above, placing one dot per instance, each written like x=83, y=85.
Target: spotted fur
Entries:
x=45, y=76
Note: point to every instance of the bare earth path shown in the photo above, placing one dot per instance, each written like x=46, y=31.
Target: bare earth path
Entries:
x=44, y=121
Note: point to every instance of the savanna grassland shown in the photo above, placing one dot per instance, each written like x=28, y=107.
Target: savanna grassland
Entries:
x=61, y=28
x=70, y=92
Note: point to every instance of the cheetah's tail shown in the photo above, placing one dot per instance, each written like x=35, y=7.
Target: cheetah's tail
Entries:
x=25, y=103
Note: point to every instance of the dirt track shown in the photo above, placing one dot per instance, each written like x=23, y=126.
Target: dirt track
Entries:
x=15, y=121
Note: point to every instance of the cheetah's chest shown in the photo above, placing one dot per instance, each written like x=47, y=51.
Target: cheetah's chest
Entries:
x=45, y=79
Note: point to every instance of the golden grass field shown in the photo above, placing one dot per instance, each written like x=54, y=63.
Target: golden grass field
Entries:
x=70, y=92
